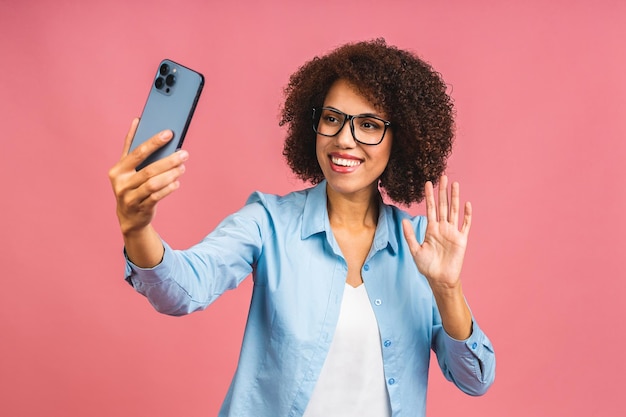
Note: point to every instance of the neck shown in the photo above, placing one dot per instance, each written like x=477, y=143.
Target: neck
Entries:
x=354, y=210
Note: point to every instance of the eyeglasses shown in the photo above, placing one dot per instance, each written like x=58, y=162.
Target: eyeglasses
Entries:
x=366, y=128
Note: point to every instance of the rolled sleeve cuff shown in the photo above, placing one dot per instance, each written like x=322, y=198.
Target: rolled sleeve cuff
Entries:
x=471, y=361
x=475, y=344
x=149, y=276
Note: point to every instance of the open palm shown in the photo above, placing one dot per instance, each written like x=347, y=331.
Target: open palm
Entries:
x=440, y=257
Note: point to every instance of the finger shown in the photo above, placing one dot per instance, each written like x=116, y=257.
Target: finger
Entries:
x=118, y=168
x=443, y=198
x=129, y=136
x=454, y=204
x=147, y=206
x=162, y=165
x=160, y=173
x=409, y=236
x=431, y=208
x=159, y=195
x=154, y=188
x=153, y=177
x=141, y=152
x=467, y=219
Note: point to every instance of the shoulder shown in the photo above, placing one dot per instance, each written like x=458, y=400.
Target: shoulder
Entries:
x=285, y=208
x=396, y=215
x=273, y=203
x=302, y=212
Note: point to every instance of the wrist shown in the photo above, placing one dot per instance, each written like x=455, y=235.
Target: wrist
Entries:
x=455, y=315
x=133, y=232
x=446, y=290
x=143, y=247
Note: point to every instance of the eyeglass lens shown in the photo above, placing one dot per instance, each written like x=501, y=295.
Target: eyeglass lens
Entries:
x=365, y=129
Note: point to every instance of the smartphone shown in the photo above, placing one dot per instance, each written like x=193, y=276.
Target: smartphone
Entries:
x=171, y=102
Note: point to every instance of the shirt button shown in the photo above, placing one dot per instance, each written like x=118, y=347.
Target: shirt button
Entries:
x=474, y=345
x=366, y=267
x=387, y=343
x=378, y=301
x=391, y=381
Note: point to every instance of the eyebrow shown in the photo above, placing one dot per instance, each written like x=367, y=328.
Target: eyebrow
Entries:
x=359, y=114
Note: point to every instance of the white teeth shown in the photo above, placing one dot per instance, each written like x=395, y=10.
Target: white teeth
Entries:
x=345, y=162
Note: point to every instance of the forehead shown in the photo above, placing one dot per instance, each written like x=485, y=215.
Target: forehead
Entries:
x=345, y=96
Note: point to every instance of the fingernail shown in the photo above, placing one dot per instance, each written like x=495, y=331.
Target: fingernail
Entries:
x=165, y=134
x=183, y=155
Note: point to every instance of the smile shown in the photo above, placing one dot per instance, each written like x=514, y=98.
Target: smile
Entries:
x=345, y=162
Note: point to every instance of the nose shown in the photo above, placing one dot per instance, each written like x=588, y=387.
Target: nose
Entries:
x=344, y=138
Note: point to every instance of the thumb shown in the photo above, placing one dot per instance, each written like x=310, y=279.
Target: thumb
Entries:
x=409, y=236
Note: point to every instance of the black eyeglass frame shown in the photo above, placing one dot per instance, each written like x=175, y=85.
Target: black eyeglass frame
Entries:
x=351, y=118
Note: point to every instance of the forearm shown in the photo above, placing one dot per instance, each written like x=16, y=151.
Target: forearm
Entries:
x=456, y=317
x=143, y=247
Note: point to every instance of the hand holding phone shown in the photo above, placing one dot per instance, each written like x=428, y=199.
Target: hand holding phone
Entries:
x=171, y=102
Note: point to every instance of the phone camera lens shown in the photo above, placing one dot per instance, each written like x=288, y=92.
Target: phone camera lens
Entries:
x=164, y=69
x=159, y=83
x=170, y=80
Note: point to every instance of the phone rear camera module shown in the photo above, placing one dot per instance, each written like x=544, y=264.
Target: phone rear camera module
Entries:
x=159, y=83
x=170, y=80
x=164, y=69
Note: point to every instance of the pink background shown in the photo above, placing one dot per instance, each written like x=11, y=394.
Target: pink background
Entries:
x=540, y=91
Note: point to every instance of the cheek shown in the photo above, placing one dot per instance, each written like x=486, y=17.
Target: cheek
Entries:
x=320, y=148
x=388, y=148
x=384, y=153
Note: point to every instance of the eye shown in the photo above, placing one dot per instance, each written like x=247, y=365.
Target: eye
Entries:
x=331, y=118
x=369, y=124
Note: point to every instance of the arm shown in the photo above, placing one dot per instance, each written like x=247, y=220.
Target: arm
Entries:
x=177, y=282
x=465, y=354
x=189, y=280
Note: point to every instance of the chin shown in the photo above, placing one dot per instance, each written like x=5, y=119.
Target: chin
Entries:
x=347, y=187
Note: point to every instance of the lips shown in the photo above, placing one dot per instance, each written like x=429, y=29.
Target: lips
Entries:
x=344, y=163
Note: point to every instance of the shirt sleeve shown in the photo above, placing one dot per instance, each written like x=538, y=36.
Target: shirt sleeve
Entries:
x=189, y=280
x=470, y=364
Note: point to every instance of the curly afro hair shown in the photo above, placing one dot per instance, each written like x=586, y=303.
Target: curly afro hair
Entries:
x=395, y=81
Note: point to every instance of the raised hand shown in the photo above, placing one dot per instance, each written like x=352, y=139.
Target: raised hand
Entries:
x=440, y=257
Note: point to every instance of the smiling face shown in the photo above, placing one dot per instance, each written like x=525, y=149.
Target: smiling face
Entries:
x=352, y=168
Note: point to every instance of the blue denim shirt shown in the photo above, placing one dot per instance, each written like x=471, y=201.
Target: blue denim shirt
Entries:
x=299, y=275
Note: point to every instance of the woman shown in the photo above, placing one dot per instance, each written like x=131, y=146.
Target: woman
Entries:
x=347, y=303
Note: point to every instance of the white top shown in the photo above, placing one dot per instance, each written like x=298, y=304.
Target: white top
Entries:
x=352, y=380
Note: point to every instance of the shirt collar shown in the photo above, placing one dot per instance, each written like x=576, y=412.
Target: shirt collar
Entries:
x=385, y=230
x=315, y=219
x=315, y=213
